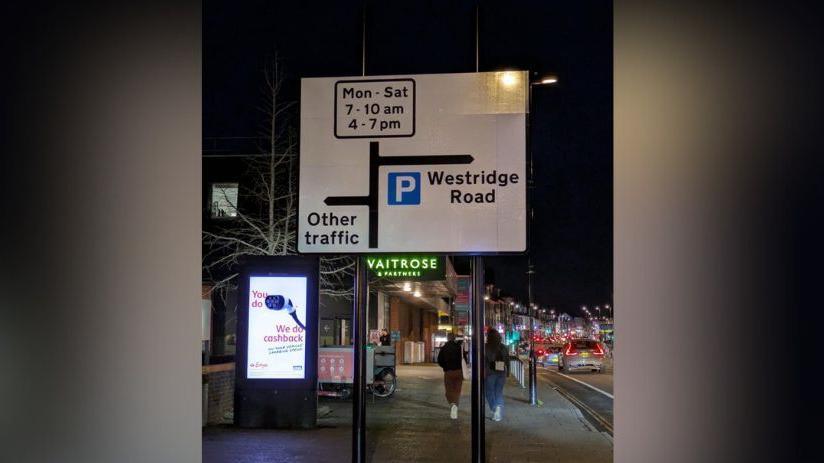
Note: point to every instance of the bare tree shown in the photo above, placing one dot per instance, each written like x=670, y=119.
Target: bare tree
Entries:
x=265, y=221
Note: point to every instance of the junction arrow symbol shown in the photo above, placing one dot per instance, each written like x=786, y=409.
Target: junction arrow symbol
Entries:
x=375, y=162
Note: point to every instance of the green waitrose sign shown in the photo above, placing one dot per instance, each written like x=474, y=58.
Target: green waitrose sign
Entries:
x=407, y=267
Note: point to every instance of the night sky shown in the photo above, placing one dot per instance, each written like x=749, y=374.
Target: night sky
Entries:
x=571, y=122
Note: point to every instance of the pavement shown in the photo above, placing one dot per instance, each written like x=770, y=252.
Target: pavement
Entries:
x=414, y=426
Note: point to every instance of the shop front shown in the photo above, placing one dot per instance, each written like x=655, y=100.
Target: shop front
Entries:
x=413, y=295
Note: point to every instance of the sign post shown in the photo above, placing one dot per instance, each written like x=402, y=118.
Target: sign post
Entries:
x=478, y=422
x=430, y=163
x=419, y=164
x=359, y=345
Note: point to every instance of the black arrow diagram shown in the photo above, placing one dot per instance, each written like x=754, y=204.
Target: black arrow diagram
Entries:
x=375, y=162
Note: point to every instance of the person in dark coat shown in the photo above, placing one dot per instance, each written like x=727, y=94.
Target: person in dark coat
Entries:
x=496, y=370
x=449, y=358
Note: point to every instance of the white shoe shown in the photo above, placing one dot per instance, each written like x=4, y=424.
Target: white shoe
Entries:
x=497, y=415
x=454, y=412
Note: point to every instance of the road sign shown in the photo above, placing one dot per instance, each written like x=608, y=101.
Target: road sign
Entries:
x=419, y=163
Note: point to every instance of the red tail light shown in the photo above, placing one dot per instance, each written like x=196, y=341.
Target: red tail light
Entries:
x=570, y=350
x=598, y=350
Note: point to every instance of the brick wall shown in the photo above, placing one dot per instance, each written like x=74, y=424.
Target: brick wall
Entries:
x=221, y=384
x=430, y=325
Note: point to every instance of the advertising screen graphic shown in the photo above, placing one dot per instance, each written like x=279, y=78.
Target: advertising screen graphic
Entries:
x=277, y=337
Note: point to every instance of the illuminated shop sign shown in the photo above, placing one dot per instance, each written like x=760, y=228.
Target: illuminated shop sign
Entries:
x=406, y=267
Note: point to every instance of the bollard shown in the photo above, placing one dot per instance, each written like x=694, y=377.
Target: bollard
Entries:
x=517, y=368
x=533, y=379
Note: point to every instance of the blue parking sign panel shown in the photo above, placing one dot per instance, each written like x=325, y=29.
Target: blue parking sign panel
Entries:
x=404, y=189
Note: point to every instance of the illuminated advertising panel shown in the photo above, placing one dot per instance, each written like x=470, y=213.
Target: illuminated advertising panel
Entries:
x=276, y=346
x=277, y=342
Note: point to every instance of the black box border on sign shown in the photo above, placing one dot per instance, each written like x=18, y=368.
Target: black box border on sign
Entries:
x=414, y=104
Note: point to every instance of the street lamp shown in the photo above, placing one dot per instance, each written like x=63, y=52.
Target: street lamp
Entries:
x=533, y=373
x=546, y=80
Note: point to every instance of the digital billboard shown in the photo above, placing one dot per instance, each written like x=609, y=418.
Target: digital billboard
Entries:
x=276, y=347
x=277, y=339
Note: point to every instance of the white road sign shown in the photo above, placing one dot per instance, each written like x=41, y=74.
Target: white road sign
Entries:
x=419, y=163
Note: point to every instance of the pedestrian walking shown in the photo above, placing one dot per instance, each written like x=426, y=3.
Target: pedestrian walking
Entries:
x=449, y=358
x=496, y=371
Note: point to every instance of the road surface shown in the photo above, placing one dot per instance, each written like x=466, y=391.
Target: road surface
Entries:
x=592, y=393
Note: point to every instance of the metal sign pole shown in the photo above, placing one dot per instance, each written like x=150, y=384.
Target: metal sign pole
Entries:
x=359, y=354
x=359, y=326
x=478, y=423
x=533, y=363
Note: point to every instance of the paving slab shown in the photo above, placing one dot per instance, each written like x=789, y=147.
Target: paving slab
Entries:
x=414, y=426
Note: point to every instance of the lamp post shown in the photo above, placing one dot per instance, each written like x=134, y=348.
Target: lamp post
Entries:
x=533, y=373
x=533, y=361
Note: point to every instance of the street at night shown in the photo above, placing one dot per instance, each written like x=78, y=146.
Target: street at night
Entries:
x=407, y=249
x=411, y=231
x=411, y=428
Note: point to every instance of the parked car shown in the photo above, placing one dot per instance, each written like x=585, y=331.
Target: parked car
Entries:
x=581, y=354
x=549, y=355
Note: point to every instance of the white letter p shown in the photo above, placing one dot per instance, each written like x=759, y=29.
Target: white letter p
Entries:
x=403, y=184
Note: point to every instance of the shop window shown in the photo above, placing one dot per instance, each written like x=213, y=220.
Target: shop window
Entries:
x=224, y=200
